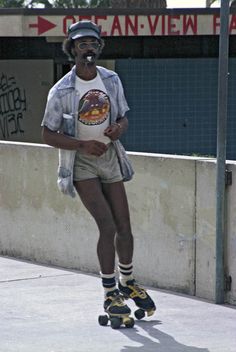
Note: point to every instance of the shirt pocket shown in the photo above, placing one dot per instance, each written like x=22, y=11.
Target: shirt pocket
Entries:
x=68, y=125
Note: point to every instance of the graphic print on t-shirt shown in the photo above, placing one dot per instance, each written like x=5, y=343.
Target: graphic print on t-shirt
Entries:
x=94, y=107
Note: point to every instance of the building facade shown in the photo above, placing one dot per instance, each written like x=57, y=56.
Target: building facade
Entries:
x=167, y=60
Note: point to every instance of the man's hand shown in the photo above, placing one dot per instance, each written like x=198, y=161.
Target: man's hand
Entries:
x=113, y=131
x=93, y=147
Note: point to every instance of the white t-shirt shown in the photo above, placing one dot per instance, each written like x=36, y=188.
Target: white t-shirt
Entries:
x=94, y=109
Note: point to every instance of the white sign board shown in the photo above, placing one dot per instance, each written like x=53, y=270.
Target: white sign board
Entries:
x=117, y=25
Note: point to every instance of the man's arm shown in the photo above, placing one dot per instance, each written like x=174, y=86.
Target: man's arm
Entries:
x=123, y=123
x=59, y=140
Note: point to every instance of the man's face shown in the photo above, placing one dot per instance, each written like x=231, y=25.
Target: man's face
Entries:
x=85, y=48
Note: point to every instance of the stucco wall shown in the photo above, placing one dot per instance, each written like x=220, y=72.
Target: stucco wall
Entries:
x=172, y=205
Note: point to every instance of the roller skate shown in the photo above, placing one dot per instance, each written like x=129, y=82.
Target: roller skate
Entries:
x=140, y=297
x=118, y=313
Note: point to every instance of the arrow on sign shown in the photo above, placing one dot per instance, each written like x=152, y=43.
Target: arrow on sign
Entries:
x=42, y=25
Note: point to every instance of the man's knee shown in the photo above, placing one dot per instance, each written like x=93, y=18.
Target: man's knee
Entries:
x=106, y=227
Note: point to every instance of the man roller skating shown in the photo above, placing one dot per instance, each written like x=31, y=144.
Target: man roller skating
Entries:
x=85, y=116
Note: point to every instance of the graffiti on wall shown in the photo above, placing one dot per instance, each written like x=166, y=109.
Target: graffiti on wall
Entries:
x=13, y=106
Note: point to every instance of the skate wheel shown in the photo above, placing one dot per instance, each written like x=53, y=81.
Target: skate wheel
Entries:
x=115, y=322
x=128, y=322
x=103, y=320
x=139, y=314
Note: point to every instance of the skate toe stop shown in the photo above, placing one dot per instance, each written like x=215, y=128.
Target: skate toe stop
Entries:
x=150, y=312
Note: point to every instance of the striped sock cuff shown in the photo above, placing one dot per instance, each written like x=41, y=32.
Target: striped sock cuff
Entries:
x=125, y=269
x=108, y=280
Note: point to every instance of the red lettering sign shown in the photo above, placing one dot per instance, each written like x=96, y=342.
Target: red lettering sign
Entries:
x=189, y=24
x=81, y=18
x=172, y=25
x=153, y=26
x=97, y=21
x=116, y=26
x=67, y=21
x=130, y=26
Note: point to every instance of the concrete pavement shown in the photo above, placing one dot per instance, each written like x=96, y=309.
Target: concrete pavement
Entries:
x=48, y=309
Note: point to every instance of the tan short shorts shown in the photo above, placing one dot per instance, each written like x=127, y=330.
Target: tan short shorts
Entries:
x=105, y=167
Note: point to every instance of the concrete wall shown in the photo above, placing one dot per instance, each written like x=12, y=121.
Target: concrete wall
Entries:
x=172, y=205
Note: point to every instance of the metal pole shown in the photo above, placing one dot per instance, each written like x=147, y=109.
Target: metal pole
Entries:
x=221, y=148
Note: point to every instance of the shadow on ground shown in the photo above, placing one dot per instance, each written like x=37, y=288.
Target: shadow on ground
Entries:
x=163, y=343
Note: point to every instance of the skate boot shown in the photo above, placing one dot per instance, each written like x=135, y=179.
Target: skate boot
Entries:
x=140, y=297
x=118, y=312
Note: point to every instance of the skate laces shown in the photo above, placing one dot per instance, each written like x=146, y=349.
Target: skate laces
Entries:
x=137, y=290
x=116, y=299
